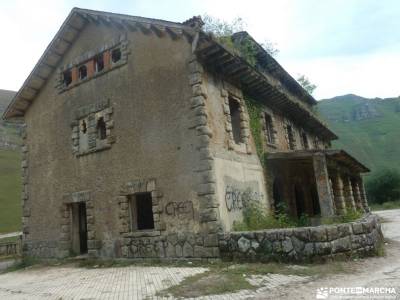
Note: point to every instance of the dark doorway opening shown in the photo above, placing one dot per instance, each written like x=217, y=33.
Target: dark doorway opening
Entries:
x=299, y=195
x=315, y=201
x=141, y=205
x=279, y=206
x=82, y=228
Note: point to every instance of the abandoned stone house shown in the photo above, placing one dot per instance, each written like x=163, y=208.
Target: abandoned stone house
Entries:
x=138, y=141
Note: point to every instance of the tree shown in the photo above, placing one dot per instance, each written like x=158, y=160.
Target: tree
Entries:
x=384, y=186
x=306, y=84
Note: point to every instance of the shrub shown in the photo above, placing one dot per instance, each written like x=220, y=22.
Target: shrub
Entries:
x=384, y=186
x=255, y=217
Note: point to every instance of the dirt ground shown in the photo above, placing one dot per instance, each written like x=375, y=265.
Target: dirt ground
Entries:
x=368, y=273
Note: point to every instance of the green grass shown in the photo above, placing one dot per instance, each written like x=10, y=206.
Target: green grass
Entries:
x=226, y=277
x=10, y=191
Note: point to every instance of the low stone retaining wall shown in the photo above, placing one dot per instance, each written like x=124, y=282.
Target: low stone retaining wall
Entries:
x=304, y=244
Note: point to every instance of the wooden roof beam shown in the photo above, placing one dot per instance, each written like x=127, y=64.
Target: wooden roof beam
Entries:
x=145, y=28
x=172, y=33
x=158, y=30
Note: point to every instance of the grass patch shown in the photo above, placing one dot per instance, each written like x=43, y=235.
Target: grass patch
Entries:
x=226, y=277
x=21, y=264
x=385, y=205
x=10, y=187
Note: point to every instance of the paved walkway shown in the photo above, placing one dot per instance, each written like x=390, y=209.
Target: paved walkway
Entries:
x=135, y=282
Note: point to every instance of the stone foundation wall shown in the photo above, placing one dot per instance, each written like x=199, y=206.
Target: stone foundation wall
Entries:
x=303, y=244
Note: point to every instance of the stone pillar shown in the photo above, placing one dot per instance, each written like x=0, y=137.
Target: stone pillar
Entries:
x=348, y=193
x=323, y=186
x=337, y=186
x=357, y=194
x=363, y=194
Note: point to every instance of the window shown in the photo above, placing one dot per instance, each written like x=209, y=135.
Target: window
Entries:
x=234, y=110
x=101, y=129
x=99, y=63
x=304, y=140
x=67, y=78
x=83, y=127
x=269, y=129
x=116, y=55
x=141, y=209
x=290, y=135
x=82, y=71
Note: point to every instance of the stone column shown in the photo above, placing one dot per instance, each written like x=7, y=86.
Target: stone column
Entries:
x=356, y=194
x=337, y=185
x=323, y=186
x=363, y=194
x=348, y=193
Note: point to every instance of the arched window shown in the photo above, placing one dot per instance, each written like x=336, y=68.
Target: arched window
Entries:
x=101, y=129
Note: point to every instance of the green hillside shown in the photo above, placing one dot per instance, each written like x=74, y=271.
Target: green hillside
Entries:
x=10, y=179
x=367, y=128
x=10, y=191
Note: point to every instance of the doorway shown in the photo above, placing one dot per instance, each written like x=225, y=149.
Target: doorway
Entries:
x=79, y=228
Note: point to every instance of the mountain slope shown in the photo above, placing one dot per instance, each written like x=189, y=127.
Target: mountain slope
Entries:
x=367, y=128
x=10, y=178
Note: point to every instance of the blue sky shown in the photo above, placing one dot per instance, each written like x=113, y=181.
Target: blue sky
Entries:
x=344, y=47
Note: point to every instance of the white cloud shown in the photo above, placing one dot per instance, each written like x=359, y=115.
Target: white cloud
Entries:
x=370, y=75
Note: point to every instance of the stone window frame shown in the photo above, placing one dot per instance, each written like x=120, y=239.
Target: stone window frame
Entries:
x=134, y=187
x=244, y=146
x=88, y=59
x=274, y=132
x=93, y=112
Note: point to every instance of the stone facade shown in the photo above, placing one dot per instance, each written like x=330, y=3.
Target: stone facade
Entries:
x=304, y=244
x=144, y=146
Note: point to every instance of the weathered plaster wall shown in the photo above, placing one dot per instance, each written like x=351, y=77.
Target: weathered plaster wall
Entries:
x=149, y=97
x=239, y=174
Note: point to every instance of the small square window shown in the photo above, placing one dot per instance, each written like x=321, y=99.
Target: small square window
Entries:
x=82, y=71
x=141, y=210
x=67, y=78
x=101, y=129
x=116, y=55
x=99, y=63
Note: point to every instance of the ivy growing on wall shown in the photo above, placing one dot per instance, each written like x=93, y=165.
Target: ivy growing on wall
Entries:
x=254, y=109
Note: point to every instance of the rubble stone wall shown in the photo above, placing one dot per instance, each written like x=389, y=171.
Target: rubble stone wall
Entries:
x=304, y=244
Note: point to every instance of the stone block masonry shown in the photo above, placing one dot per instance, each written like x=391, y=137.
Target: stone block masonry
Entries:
x=324, y=242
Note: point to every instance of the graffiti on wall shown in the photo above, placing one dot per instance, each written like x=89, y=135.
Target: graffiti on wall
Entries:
x=239, y=195
x=180, y=209
x=146, y=248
